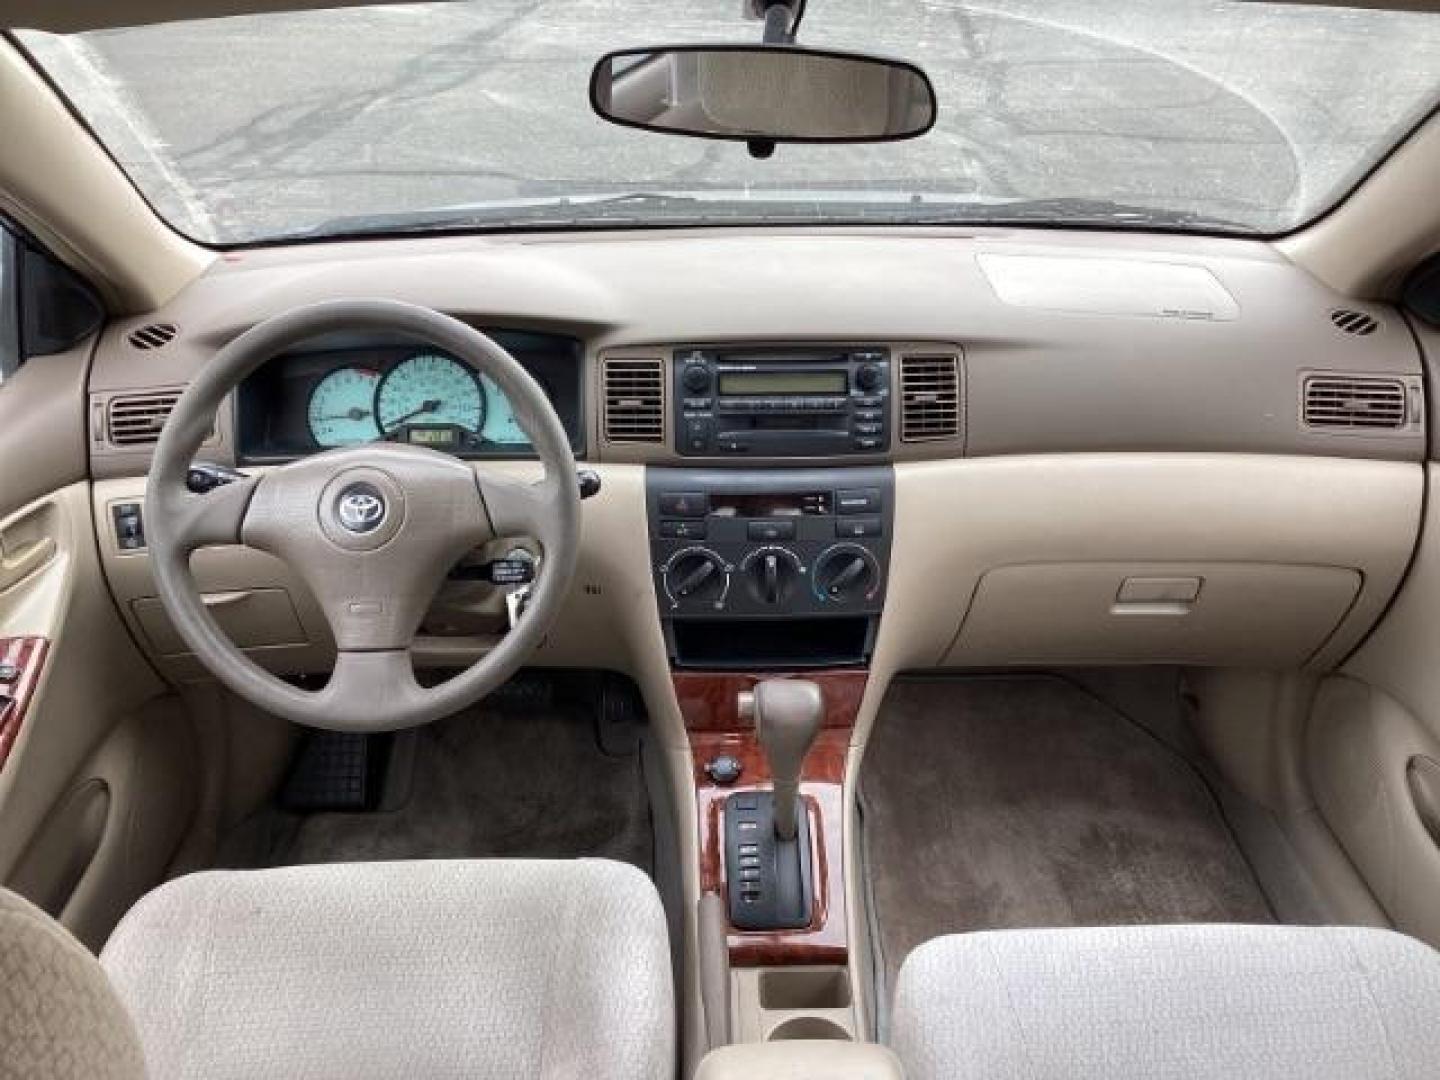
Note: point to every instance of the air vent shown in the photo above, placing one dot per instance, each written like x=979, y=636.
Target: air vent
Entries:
x=1354, y=403
x=135, y=419
x=153, y=336
x=634, y=400
x=929, y=398
x=1354, y=322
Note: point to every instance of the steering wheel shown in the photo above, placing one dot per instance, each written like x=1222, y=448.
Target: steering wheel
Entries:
x=372, y=530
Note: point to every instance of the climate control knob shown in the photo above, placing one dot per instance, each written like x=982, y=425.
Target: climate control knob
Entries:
x=772, y=574
x=696, y=578
x=846, y=574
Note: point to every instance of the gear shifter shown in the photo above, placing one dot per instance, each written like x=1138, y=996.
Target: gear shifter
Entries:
x=787, y=715
x=767, y=834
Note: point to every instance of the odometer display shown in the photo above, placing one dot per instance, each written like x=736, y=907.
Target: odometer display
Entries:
x=429, y=390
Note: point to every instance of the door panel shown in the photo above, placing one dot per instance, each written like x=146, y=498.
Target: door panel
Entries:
x=1368, y=732
x=96, y=784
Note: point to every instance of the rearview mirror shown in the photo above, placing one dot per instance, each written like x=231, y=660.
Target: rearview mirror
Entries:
x=772, y=93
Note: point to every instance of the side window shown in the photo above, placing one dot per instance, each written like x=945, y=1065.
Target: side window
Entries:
x=45, y=307
x=9, y=304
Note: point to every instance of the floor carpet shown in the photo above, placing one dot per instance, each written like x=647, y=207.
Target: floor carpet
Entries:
x=997, y=802
x=485, y=783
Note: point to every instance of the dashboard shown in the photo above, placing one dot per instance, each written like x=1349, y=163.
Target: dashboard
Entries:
x=345, y=392
x=908, y=451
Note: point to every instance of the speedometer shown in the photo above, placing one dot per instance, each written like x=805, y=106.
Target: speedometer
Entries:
x=430, y=390
x=341, y=411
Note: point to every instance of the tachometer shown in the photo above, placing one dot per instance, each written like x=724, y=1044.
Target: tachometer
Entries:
x=342, y=408
x=430, y=389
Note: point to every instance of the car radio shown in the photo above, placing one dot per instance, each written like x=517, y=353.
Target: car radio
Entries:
x=782, y=402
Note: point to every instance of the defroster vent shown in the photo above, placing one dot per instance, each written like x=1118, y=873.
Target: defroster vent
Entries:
x=634, y=389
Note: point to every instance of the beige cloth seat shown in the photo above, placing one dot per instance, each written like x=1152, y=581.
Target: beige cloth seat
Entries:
x=414, y=970
x=1170, y=1003
x=60, y=1019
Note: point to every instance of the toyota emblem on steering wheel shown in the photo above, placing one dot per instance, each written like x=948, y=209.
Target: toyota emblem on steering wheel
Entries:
x=360, y=508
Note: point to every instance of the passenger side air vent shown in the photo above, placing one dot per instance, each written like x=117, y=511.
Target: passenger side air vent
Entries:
x=929, y=397
x=135, y=419
x=1355, y=403
x=1349, y=321
x=153, y=336
x=634, y=391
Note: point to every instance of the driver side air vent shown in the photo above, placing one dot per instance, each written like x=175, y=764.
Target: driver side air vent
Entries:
x=1355, y=403
x=153, y=336
x=634, y=408
x=135, y=419
x=929, y=397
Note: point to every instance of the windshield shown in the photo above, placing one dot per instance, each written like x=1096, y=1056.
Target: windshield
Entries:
x=1187, y=114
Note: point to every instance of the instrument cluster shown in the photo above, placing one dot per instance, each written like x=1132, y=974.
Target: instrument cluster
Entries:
x=305, y=402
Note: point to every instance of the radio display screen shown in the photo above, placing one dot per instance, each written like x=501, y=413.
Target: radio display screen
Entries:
x=783, y=382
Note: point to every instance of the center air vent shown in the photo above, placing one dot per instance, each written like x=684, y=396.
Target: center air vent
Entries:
x=136, y=419
x=929, y=397
x=153, y=336
x=1355, y=403
x=1354, y=322
x=634, y=406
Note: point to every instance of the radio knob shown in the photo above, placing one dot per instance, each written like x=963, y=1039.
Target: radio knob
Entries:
x=772, y=573
x=696, y=378
x=869, y=377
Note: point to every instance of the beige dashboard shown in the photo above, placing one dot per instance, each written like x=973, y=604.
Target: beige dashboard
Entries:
x=1141, y=469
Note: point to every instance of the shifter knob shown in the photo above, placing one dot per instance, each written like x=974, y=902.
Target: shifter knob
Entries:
x=787, y=715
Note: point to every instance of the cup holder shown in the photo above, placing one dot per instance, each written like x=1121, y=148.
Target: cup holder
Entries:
x=808, y=1027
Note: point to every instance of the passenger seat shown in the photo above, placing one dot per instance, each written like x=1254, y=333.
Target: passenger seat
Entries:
x=1201, y=1002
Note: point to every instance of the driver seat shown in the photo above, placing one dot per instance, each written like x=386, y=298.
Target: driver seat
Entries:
x=493, y=968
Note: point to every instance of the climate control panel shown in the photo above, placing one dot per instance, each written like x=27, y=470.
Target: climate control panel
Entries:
x=763, y=547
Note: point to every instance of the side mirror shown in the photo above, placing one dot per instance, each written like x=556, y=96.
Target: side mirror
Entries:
x=770, y=93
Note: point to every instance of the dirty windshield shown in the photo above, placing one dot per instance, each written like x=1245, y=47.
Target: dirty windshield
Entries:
x=1163, y=114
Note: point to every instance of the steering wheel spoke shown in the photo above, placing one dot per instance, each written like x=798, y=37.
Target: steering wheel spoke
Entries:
x=516, y=507
x=214, y=519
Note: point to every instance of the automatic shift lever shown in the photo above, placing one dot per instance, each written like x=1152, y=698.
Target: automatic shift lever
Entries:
x=767, y=838
x=787, y=714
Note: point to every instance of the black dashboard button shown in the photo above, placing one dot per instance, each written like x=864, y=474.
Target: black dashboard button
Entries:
x=697, y=435
x=868, y=442
x=682, y=530
x=684, y=504
x=770, y=530
x=858, y=528
x=858, y=501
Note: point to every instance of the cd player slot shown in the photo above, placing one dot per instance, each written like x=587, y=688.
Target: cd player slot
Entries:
x=795, y=424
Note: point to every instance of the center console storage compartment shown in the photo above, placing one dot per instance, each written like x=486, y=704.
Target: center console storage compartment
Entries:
x=760, y=644
x=801, y=1061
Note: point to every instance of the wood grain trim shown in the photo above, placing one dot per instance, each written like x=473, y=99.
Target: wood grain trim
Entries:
x=27, y=654
x=711, y=702
x=708, y=699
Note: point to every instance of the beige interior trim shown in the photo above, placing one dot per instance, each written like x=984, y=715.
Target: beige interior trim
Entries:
x=63, y=743
x=68, y=192
x=1366, y=246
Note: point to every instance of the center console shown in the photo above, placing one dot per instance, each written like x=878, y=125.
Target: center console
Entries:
x=770, y=570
